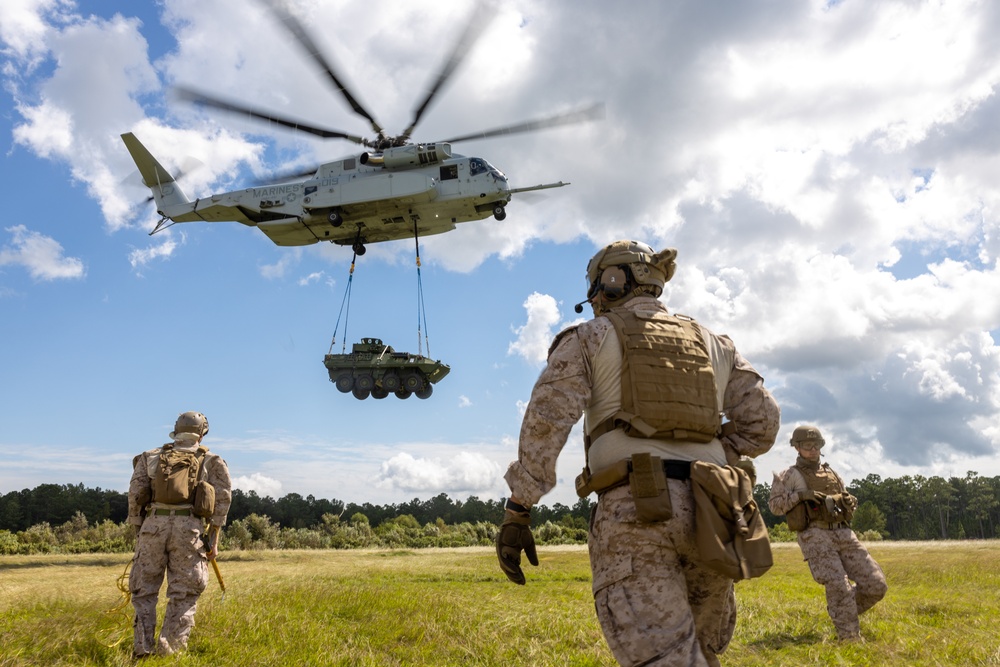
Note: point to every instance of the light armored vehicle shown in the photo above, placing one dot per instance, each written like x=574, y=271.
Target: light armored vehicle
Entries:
x=375, y=369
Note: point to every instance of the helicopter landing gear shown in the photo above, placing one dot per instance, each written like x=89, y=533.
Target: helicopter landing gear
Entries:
x=335, y=219
x=499, y=212
x=359, y=247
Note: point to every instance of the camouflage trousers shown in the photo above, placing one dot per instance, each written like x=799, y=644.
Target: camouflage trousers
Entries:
x=836, y=558
x=171, y=545
x=656, y=604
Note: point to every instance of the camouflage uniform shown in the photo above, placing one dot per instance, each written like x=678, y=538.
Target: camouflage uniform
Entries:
x=171, y=544
x=834, y=554
x=656, y=604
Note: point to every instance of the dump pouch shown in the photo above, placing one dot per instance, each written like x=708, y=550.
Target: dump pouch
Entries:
x=797, y=518
x=648, y=483
x=729, y=529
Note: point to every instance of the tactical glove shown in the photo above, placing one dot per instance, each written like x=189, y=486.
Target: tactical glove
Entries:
x=515, y=536
x=809, y=494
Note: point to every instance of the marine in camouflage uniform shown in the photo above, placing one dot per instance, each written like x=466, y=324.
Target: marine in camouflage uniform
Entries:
x=172, y=540
x=657, y=605
x=818, y=507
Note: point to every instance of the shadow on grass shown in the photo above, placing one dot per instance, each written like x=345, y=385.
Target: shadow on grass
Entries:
x=779, y=640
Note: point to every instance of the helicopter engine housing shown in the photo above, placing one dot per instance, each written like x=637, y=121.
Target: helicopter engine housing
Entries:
x=410, y=156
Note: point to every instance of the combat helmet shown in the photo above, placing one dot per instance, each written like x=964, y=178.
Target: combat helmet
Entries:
x=806, y=433
x=190, y=422
x=625, y=269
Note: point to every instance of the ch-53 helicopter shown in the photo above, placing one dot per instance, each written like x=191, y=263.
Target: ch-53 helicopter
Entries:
x=397, y=189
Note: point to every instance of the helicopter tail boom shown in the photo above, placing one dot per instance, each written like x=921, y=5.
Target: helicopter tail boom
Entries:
x=166, y=192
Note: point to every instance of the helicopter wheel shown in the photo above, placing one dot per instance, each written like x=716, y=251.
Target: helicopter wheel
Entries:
x=344, y=382
x=359, y=248
x=402, y=394
x=364, y=382
x=336, y=219
x=379, y=392
x=360, y=394
x=391, y=382
x=499, y=212
x=426, y=391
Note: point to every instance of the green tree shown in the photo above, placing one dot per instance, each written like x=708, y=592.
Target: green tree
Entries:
x=868, y=517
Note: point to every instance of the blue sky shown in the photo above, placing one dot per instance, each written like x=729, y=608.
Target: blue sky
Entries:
x=826, y=171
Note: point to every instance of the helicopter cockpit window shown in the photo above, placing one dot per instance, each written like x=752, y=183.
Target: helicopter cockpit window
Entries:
x=477, y=166
x=449, y=171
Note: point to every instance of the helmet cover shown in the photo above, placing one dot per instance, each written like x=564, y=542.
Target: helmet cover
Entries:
x=191, y=422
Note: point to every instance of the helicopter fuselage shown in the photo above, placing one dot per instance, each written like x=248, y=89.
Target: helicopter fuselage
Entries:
x=418, y=188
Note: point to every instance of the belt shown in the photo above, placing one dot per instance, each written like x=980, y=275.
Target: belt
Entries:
x=172, y=512
x=829, y=526
x=617, y=475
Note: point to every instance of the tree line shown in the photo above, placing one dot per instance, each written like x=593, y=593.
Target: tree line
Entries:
x=56, y=504
x=917, y=507
x=904, y=508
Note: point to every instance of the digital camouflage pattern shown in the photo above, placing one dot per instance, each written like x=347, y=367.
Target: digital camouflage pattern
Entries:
x=656, y=604
x=651, y=596
x=171, y=546
x=835, y=556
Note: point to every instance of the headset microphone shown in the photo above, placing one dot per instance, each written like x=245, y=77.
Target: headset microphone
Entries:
x=579, y=307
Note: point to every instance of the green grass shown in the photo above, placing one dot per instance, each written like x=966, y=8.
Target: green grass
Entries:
x=454, y=607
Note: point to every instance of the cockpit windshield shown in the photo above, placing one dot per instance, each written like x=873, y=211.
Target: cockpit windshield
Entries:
x=478, y=165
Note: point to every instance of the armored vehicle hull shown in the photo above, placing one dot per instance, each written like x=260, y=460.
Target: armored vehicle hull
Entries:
x=375, y=369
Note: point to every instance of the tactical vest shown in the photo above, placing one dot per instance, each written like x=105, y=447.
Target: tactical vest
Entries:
x=835, y=509
x=667, y=383
x=176, y=480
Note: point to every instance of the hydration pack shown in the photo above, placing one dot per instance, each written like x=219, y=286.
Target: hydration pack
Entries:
x=179, y=480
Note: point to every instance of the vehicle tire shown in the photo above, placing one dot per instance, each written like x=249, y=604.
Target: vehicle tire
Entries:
x=413, y=382
x=360, y=394
x=379, y=392
x=364, y=382
x=403, y=394
x=345, y=382
x=499, y=212
x=335, y=218
x=391, y=382
x=426, y=391
x=359, y=249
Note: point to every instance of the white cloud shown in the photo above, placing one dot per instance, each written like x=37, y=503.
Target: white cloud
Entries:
x=535, y=336
x=259, y=483
x=464, y=472
x=464, y=402
x=139, y=257
x=41, y=255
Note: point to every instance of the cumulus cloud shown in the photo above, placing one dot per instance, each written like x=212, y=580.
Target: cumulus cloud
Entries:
x=41, y=255
x=259, y=483
x=465, y=472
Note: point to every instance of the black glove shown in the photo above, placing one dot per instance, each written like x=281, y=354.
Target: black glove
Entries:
x=809, y=494
x=515, y=536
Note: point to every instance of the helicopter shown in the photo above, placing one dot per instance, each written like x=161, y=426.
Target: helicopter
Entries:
x=393, y=190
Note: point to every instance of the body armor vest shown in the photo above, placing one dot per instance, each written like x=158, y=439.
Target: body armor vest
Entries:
x=835, y=509
x=667, y=383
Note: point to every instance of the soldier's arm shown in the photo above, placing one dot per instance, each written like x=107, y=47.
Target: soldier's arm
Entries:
x=139, y=491
x=785, y=492
x=218, y=476
x=752, y=410
x=556, y=405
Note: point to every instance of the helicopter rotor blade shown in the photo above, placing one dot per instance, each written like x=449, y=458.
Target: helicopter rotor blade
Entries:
x=299, y=33
x=591, y=113
x=190, y=95
x=480, y=19
x=285, y=176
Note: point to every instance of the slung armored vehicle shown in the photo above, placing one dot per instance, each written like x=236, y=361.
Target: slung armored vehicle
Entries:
x=375, y=369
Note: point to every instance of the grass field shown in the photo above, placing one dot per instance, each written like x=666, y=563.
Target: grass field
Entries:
x=454, y=607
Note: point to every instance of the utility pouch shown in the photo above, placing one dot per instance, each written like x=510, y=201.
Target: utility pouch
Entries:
x=796, y=518
x=649, y=489
x=204, y=500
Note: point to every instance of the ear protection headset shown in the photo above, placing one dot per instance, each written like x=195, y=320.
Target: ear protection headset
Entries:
x=614, y=282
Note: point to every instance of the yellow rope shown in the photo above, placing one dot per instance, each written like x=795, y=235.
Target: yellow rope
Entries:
x=119, y=613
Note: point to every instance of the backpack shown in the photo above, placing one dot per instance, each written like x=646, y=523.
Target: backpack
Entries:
x=179, y=480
